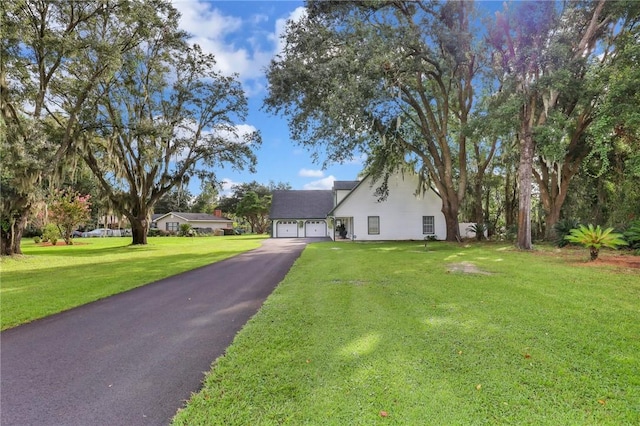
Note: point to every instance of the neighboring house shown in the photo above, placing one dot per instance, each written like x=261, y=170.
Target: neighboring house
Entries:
x=199, y=221
x=403, y=215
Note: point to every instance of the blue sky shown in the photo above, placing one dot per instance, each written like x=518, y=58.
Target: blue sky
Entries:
x=244, y=36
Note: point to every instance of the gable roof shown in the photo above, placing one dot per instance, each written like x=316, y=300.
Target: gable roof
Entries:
x=301, y=204
x=345, y=185
x=193, y=217
x=356, y=185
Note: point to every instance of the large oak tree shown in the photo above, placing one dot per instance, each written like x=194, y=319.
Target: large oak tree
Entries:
x=53, y=55
x=165, y=116
x=394, y=80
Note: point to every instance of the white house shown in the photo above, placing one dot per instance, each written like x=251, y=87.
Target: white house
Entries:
x=199, y=221
x=352, y=210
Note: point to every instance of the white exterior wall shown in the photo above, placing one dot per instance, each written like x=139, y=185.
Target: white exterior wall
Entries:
x=400, y=214
x=339, y=196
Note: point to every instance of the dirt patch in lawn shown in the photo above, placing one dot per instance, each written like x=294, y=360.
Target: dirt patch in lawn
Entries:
x=466, y=268
x=580, y=257
x=620, y=261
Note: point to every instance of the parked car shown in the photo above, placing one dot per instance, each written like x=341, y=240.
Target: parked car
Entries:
x=98, y=232
x=76, y=234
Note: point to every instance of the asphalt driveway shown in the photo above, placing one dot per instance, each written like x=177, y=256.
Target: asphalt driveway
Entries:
x=134, y=358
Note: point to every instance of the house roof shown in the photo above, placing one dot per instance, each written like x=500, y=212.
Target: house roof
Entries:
x=356, y=184
x=193, y=217
x=301, y=204
x=345, y=185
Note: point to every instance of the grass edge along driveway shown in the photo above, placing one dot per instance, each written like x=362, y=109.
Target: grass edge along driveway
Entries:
x=48, y=280
x=391, y=333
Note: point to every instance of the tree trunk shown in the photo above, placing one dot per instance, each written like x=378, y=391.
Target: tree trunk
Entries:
x=554, y=181
x=510, y=199
x=13, y=226
x=525, y=180
x=450, y=211
x=139, y=229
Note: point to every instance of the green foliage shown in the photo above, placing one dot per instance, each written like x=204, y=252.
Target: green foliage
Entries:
x=594, y=238
x=186, y=230
x=37, y=239
x=205, y=202
x=176, y=200
x=174, y=103
x=387, y=78
x=479, y=229
x=563, y=228
x=55, y=55
x=68, y=210
x=51, y=233
x=255, y=209
x=632, y=235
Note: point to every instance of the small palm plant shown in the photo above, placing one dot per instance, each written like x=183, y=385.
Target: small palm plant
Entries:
x=594, y=238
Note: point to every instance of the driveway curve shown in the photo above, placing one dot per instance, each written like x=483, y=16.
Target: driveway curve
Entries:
x=134, y=358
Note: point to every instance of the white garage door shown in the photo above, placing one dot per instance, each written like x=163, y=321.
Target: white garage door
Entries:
x=287, y=229
x=316, y=228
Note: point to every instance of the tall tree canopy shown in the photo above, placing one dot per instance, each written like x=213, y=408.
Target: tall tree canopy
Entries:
x=54, y=54
x=164, y=117
x=114, y=83
x=251, y=202
x=391, y=79
x=551, y=54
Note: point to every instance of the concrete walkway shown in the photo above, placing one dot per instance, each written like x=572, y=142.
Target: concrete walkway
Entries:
x=134, y=358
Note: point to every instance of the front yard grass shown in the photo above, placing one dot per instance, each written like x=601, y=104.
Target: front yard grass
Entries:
x=47, y=279
x=391, y=333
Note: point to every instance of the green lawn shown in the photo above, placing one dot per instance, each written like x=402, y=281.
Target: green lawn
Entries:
x=47, y=280
x=383, y=333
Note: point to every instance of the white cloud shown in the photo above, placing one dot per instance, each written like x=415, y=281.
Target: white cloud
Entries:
x=227, y=185
x=310, y=173
x=281, y=25
x=200, y=20
x=325, y=183
x=214, y=32
x=237, y=136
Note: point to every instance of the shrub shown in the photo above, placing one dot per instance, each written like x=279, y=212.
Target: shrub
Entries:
x=595, y=238
x=632, y=235
x=479, y=229
x=37, y=239
x=186, y=230
x=563, y=228
x=511, y=233
x=51, y=234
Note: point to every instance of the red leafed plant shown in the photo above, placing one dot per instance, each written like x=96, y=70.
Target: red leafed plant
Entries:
x=68, y=210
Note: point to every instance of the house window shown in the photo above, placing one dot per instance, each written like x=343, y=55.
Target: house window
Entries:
x=428, y=225
x=373, y=225
x=172, y=226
